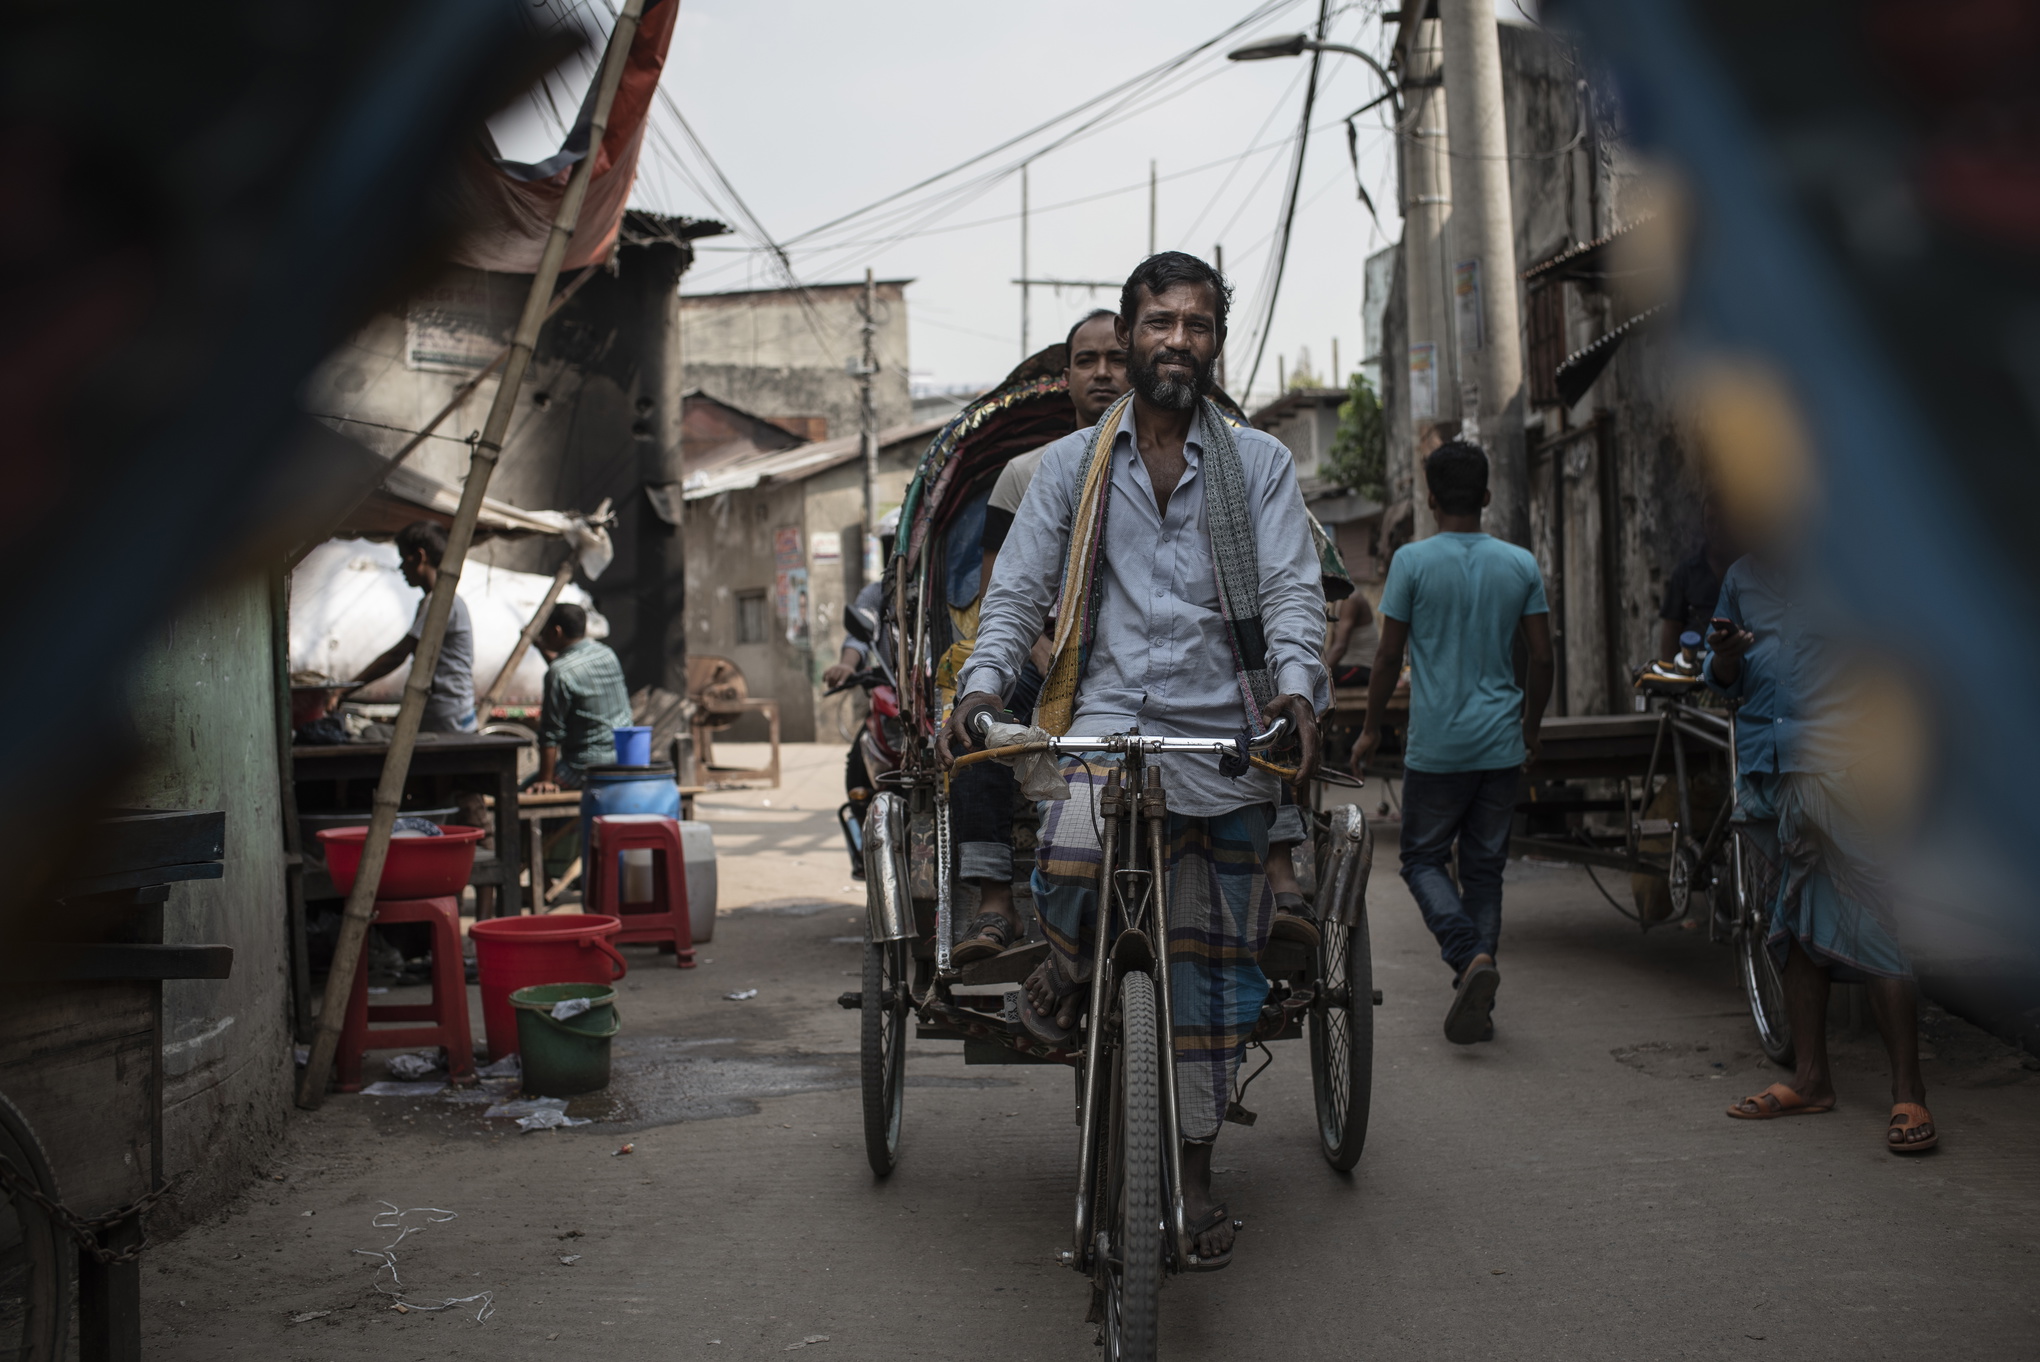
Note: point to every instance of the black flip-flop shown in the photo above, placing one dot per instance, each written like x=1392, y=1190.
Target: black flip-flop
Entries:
x=1044, y=1028
x=990, y=934
x=1473, y=1005
x=1213, y=1218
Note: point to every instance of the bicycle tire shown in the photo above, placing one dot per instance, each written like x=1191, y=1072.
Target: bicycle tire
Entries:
x=34, y=1268
x=884, y=1016
x=1342, y=1043
x=1134, y=1264
x=1763, y=985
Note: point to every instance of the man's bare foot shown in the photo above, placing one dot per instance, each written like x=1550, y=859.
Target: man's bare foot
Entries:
x=1054, y=998
x=1198, y=1204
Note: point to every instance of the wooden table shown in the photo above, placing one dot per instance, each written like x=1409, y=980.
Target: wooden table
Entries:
x=441, y=761
x=534, y=809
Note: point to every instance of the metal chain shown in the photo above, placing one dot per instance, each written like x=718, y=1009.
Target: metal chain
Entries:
x=85, y=1229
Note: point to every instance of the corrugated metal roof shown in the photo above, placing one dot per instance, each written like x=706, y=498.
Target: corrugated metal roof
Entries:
x=792, y=465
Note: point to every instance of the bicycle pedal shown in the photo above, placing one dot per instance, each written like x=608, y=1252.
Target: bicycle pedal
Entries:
x=1239, y=1115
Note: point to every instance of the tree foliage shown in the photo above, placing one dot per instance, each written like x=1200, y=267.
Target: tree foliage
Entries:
x=1359, y=457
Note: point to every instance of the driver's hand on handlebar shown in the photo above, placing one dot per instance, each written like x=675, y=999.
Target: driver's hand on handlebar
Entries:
x=1303, y=719
x=956, y=729
x=838, y=674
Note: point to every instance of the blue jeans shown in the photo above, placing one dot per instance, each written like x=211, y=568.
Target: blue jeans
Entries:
x=1472, y=808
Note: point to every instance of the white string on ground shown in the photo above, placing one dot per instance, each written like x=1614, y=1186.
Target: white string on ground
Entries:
x=393, y=1219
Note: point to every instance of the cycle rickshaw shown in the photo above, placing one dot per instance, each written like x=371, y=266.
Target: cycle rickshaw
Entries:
x=1129, y=1229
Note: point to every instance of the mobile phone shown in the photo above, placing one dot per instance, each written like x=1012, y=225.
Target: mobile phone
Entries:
x=1721, y=624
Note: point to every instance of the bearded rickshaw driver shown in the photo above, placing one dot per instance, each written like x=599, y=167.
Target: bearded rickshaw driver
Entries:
x=1181, y=544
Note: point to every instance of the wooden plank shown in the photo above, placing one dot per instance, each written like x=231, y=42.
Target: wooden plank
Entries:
x=53, y=961
x=141, y=877
x=137, y=838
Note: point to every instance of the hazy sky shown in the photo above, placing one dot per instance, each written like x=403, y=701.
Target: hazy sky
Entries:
x=813, y=110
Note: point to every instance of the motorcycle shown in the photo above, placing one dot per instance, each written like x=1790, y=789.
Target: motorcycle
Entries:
x=876, y=753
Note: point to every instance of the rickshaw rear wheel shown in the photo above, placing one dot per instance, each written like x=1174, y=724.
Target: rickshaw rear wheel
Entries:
x=1342, y=1042
x=886, y=1014
x=1132, y=1264
x=34, y=1252
x=1756, y=882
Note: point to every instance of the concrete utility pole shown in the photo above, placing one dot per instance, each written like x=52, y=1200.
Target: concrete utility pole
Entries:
x=1152, y=182
x=1025, y=275
x=867, y=421
x=1218, y=263
x=1427, y=214
x=1483, y=236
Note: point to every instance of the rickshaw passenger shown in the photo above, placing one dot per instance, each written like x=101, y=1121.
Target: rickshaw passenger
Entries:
x=1190, y=606
x=981, y=796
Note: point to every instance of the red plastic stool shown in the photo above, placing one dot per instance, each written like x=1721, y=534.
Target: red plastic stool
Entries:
x=663, y=917
x=447, y=1012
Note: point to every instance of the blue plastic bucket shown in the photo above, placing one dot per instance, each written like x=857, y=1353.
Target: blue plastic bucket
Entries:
x=623, y=789
x=633, y=746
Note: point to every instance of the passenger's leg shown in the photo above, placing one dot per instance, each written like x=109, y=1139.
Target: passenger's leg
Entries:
x=981, y=820
x=1292, y=916
x=1433, y=808
x=1220, y=910
x=1065, y=887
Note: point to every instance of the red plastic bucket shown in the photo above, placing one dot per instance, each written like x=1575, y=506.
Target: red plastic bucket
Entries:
x=524, y=952
x=417, y=867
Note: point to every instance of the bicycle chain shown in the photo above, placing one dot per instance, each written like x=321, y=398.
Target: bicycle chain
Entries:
x=85, y=1229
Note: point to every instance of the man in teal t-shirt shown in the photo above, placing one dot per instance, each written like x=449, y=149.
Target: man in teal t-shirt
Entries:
x=1456, y=600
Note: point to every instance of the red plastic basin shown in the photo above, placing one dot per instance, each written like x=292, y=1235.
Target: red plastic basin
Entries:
x=417, y=867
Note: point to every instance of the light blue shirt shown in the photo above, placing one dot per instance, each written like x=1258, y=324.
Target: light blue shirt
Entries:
x=1795, y=684
x=1162, y=655
x=1462, y=596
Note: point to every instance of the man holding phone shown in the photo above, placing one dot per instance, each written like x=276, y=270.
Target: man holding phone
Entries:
x=1797, y=743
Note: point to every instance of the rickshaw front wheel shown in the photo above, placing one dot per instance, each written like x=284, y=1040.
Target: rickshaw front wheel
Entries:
x=886, y=1014
x=1342, y=1041
x=1132, y=1258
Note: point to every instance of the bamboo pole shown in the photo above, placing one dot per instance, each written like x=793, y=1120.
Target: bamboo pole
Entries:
x=389, y=790
x=536, y=625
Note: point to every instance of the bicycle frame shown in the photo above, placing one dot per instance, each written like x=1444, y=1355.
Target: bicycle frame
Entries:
x=1132, y=924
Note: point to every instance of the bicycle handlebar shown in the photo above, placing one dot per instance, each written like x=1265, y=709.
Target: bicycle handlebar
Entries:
x=980, y=723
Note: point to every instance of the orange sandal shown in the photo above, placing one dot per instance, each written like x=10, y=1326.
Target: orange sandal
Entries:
x=1783, y=1102
x=1905, y=1116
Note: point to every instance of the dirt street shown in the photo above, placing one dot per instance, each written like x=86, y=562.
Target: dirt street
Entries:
x=1571, y=1190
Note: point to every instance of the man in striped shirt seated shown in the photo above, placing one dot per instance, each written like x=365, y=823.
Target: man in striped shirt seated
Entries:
x=585, y=701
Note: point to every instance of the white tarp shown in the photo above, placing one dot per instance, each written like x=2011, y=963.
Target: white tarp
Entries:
x=349, y=603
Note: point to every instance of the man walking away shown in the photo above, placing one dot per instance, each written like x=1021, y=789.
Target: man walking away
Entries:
x=586, y=701
x=450, y=708
x=1456, y=600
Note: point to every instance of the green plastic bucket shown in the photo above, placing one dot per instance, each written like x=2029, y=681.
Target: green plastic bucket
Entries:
x=563, y=1058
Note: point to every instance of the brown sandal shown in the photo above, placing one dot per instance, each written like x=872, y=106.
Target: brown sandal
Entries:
x=1905, y=1117
x=990, y=934
x=1783, y=1102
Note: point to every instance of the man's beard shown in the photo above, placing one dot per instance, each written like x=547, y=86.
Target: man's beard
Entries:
x=1168, y=393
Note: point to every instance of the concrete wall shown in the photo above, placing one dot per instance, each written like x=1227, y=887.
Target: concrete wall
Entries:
x=203, y=697
x=1613, y=468
x=600, y=416
x=765, y=352
x=733, y=549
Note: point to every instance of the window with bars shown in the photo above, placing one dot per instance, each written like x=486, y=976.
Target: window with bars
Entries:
x=1547, y=342
x=750, y=617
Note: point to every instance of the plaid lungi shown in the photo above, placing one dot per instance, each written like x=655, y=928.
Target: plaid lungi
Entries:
x=1220, y=909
